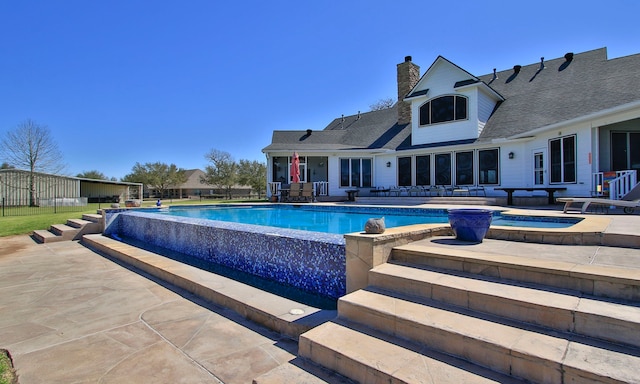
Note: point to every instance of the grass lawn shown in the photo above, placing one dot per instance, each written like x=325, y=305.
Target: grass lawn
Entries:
x=7, y=373
x=23, y=225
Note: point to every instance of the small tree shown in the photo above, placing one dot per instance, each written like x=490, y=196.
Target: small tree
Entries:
x=30, y=147
x=93, y=174
x=158, y=176
x=222, y=173
x=382, y=104
x=253, y=174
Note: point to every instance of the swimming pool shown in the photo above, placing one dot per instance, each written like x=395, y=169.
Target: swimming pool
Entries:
x=281, y=243
x=342, y=220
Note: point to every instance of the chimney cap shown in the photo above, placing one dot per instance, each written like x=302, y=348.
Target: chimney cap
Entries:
x=407, y=59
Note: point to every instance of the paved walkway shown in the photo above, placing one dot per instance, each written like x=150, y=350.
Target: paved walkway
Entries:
x=69, y=315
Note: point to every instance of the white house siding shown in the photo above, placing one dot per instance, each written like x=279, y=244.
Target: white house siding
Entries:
x=486, y=105
x=440, y=81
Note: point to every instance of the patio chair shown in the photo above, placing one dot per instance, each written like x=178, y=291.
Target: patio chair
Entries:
x=306, y=193
x=294, y=192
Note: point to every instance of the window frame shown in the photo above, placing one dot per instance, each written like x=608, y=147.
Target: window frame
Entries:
x=426, y=111
x=360, y=172
x=481, y=169
x=561, y=168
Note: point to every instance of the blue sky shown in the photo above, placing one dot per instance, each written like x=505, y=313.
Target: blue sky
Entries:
x=119, y=82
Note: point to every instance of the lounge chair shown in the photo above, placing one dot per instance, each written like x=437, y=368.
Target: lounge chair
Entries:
x=628, y=205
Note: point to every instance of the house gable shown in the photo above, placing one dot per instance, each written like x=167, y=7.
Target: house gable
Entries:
x=466, y=101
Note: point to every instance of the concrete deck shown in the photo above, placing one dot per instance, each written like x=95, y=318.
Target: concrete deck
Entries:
x=68, y=314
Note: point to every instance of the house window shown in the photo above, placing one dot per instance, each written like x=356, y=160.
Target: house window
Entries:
x=355, y=173
x=625, y=151
x=443, y=109
x=443, y=168
x=404, y=171
x=488, y=166
x=562, y=153
x=464, y=168
x=423, y=170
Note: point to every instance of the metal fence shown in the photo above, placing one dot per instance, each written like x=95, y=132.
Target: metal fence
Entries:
x=43, y=206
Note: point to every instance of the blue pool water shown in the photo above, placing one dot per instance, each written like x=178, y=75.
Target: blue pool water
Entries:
x=341, y=220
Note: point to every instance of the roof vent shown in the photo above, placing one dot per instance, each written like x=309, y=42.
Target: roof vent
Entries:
x=541, y=64
x=568, y=56
x=495, y=75
x=309, y=132
x=517, y=68
x=358, y=116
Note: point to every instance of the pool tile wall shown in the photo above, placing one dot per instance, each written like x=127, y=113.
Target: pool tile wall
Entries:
x=312, y=261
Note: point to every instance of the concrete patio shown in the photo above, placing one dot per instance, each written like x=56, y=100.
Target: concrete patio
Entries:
x=71, y=315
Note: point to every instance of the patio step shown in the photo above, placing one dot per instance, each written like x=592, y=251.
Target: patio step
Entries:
x=594, y=280
x=72, y=230
x=537, y=305
x=488, y=315
x=367, y=356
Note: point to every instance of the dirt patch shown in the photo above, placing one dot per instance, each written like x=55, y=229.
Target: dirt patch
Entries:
x=12, y=244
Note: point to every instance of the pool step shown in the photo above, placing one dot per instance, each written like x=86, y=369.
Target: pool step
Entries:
x=72, y=230
x=287, y=317
x=531, y=320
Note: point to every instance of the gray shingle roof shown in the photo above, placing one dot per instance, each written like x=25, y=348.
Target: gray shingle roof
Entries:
x=534, y=98
x=560, y=92
x=369, y=130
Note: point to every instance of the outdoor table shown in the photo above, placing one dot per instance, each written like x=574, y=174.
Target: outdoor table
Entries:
x=550, y=191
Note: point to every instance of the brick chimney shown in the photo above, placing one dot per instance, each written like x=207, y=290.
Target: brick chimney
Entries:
x=408, y=76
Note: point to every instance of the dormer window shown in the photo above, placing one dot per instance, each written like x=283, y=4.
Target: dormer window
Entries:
x=443, y=109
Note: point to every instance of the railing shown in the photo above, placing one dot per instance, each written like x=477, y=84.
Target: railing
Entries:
x=273, y=188
x=321, y=188
x=21, y=207
x=622, y=184
x=617, y=187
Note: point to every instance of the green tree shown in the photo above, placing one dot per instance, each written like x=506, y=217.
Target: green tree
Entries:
x=222, y=173
x=31, y=147
x=93, y=174
x=158, y=176
x=253, y=174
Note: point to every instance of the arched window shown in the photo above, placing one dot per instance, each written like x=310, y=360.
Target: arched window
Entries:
x=443, y=109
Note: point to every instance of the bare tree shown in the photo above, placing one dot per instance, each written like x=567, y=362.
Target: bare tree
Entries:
x=223, y=171
x=30, y=147
x=382, y=104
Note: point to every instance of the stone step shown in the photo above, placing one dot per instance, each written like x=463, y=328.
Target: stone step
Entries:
x=65, y=231
x=45, y=236
x=593, y=280
x=557, y=310
x=512, y=350
x=365, y=356
x=94, y=217
x=78, y=223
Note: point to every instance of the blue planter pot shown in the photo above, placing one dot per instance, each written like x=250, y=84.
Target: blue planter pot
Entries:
x=470, y=224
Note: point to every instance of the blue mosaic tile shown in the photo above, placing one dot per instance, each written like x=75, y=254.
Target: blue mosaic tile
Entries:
x=312, y=261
